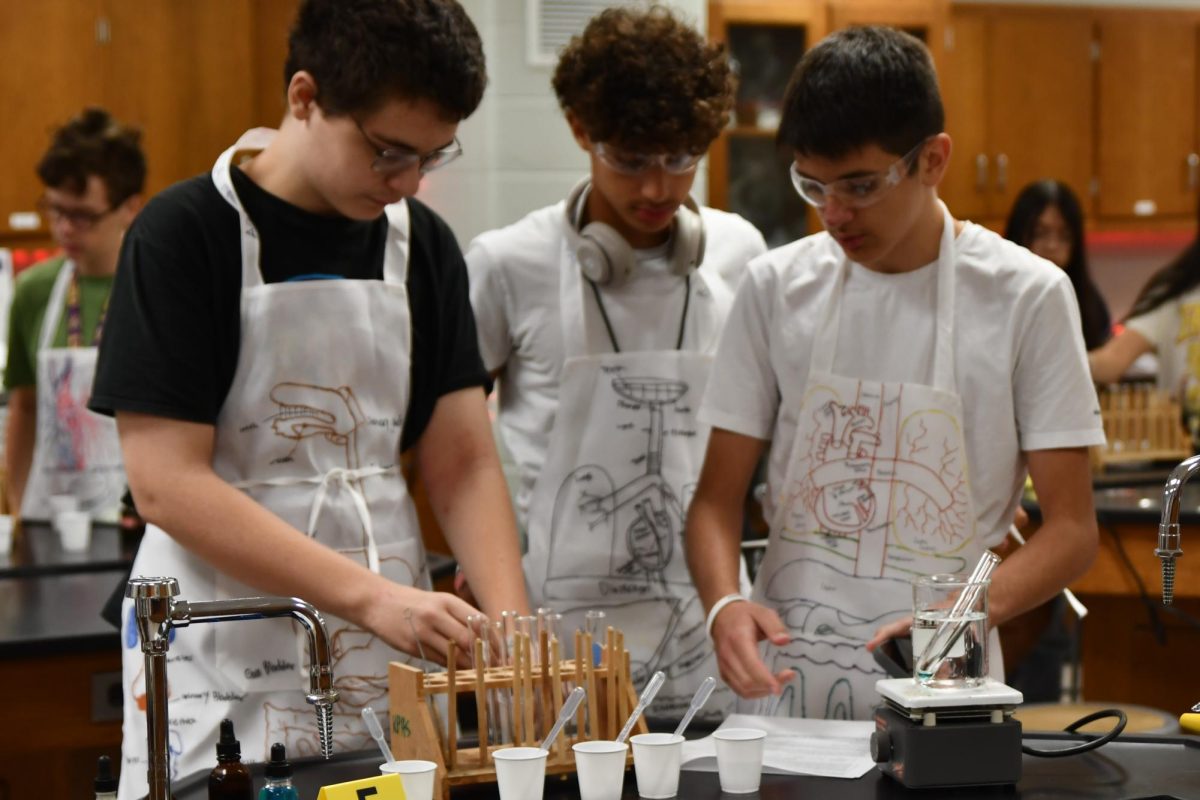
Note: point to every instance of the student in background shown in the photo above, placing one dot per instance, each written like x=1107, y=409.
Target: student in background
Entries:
x=599, y=316
x=1047, y=219
x=93, y=173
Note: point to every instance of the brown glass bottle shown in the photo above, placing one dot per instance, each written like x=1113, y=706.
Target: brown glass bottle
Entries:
x=230, y=779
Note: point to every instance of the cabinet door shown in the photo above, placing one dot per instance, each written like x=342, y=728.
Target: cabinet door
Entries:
x=963, y=77
x=1039, y=102
x=925, y=19
x=1147, y=115
x=51, y=54
x=183, y=72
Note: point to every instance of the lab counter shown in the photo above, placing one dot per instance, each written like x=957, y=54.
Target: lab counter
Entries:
x=36, y=551
x=1133, y=767
x=56, y=614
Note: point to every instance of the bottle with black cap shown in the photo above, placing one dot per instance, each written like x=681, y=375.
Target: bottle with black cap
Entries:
x=105, y=784
x=230, y=779
x=279, y=777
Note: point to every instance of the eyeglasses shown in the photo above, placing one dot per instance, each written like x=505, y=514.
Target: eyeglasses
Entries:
x=860, y=191
x=80, y=219
x=394, y=160
x=641, y=163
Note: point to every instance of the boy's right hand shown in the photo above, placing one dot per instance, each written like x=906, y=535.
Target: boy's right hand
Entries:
x=736, y=632
x=419, y=621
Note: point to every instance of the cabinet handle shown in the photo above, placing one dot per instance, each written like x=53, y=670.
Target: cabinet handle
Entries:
x=1193, y=165
x=981, y=172
x=1002, y=173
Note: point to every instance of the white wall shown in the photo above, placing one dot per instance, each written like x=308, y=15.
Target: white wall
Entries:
x=518, y=151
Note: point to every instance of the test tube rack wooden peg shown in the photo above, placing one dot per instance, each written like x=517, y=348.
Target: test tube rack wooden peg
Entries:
x=1141, y=423
x=417, y=734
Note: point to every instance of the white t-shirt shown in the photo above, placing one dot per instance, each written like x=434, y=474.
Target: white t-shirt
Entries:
x=514, y=275
x=1019, y=358
x=1174, y=330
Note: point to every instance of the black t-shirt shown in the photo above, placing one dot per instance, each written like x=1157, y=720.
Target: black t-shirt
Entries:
x=172, y=331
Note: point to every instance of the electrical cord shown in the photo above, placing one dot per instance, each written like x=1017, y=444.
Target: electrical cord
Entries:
x=1088, y=745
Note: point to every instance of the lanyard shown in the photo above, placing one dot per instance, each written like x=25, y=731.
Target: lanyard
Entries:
x=75, y=316
x=612, y=337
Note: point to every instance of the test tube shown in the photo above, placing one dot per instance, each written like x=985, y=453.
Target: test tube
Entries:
x=954, y=623
x=500, y=708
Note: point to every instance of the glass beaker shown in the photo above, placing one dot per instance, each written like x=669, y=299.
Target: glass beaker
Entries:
x=950, y=612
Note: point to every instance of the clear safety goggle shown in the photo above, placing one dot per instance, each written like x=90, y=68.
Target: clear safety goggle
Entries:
x=859, y=191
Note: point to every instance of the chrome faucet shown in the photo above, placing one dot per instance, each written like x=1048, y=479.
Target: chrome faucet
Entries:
x=1168, y=527
x=157, y=611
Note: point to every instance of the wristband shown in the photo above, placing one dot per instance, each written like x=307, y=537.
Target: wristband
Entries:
x=717, y=608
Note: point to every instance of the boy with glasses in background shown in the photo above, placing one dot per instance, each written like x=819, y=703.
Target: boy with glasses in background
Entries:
x=93, y=173
x=908, y=370
x=599, y=315
x=291, y=323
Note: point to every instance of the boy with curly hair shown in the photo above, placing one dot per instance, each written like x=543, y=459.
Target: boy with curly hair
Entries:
x=93, y=173
x=598, y=315
x=283, y=329
x=909, y=369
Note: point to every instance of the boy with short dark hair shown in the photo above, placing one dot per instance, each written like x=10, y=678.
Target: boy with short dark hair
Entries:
x=599, y=316
x=290, y=325
x=908, y=370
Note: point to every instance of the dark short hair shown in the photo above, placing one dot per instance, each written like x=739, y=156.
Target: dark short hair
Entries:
x=858, y=87
x=93, y=143
x=644, y=79
x=364, y=52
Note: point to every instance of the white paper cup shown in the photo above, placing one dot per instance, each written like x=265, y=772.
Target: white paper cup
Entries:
x=60, y=503
x=521, y=772
x=6, y=534
x=416, y=777
x=601, y=769
x=739, y=759
x=74, y=530
x=656, y=758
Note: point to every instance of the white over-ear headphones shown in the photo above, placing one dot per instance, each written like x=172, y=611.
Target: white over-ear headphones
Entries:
x=608, y=260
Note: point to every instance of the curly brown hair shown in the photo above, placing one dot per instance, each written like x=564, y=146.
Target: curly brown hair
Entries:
x=94, y=143
x=644, y=80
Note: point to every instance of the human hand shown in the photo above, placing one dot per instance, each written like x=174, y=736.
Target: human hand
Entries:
x=736, y=632
x=423, y=623
x=892, y=630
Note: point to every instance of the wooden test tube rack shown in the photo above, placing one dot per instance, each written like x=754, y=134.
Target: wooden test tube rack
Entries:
x=417, y=735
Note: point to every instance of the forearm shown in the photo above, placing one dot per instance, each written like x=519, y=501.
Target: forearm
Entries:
x=20, y=435
x=713, y=548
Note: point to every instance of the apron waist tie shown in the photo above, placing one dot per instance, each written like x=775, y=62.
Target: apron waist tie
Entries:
x=345, y=479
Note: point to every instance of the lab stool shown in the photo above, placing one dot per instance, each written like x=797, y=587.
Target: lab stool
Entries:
x=1057, y=716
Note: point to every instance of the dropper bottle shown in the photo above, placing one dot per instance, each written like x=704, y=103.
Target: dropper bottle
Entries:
x=279, y=777
x=230, y=779
x=105, y=784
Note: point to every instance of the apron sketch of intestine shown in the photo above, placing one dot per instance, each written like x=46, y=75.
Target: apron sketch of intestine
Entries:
x=640, y=525
x=887, y=487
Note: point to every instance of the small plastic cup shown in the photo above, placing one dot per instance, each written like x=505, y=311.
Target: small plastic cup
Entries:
x=601, y=769
x=60, y=503
x=416, y=776
x=656, y=759
x=521, y=772
x=74, y=530
x=739, y=759
x=6, y=534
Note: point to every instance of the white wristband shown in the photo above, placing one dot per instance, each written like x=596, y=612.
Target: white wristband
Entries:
x=717, y=608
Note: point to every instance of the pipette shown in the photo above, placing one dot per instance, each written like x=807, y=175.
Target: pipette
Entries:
x=368, y=715
x=646, y=699
x=698, y=701
x=568, y=710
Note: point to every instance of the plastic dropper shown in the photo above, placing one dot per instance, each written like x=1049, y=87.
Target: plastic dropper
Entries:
x=368, y=715
x=646, y=699
x=698, y=701
x=568, y=710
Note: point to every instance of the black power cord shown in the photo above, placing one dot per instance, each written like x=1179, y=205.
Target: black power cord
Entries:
x=1088, y=745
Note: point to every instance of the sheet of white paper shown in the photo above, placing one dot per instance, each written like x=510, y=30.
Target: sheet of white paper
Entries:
x=827, y=748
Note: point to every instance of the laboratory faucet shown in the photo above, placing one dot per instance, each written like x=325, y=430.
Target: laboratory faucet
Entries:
x=157, y=611
x=1168, y=527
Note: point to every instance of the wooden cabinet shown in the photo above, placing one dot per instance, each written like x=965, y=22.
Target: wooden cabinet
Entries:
x=1148, y=159
x=925, y=19
x=1017, y=86
x=192, y=75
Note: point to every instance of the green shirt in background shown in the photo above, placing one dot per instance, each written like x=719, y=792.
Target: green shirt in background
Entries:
x=31, y=295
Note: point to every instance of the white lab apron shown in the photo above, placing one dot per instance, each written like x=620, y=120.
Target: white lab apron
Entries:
x=310, y=429
x=77, y=451
x=876, y=492
x=608, y=508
